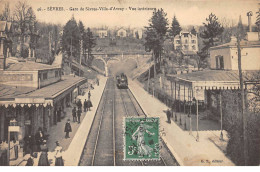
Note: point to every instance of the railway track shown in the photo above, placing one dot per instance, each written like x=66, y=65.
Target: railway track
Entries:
x=100, y=146
x=140, y=112
x=104, y=146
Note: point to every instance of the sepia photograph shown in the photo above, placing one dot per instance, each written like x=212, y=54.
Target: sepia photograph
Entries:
x=129, y=83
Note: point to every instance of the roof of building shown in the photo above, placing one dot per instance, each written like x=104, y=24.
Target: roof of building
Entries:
x=233, y=44
x=184, y=32
x=210, y=78
x=8, y=91
x=47, y=92
x=120, y=29
x=13, y=65
x=51, y=91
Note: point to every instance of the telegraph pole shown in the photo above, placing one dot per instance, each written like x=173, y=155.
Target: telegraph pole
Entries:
x=241, y=83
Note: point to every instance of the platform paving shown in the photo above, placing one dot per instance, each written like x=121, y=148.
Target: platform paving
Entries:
x=184, y=147
x=74, y=145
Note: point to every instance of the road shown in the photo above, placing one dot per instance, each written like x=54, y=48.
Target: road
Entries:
x=104, y=146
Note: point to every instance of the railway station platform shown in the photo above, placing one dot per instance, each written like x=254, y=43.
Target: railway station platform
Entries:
x=74, y=145
x=184, y=147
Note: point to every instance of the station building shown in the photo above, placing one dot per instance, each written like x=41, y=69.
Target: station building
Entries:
x=32, y=93
x=219, y=86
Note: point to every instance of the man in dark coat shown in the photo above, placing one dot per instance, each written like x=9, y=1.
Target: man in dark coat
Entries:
x=79, y=104
x=59, y=115
x=89, y=105
x=74, y=114
x=39, y=137
x=67, y=129
x=97, y=82
x=89, y=95
x=79, y=114
x=168, y=113
x=28, y=144
x=85, y=105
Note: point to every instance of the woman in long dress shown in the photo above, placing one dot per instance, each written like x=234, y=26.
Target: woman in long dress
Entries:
x=58, y=155
x=43, y=161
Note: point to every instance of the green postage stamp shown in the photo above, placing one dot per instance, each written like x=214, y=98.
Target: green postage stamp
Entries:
x=141, y=138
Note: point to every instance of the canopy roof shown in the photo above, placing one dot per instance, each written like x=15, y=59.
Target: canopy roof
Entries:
x=32, y=96
x=213, y=79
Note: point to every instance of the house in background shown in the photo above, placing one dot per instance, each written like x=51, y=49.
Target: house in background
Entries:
x=186, y=42
x=122, y=33
x=138, y=33
x=102, y=33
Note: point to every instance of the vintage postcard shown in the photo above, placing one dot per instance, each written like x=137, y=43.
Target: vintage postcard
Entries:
x=129, y=83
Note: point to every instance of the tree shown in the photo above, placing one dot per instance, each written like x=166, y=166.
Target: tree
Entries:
x=56, y=38
x=200, y=58
x=155, y=34
x=24, y=19
x=71, y=39
x=213, y=29
x=175, y=27
x=90, y=43
x=6, y=13
x=34, y=36
x=193, y=31
x=229, y=29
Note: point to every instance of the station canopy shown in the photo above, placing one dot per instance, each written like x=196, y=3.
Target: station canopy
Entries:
x=214, y=79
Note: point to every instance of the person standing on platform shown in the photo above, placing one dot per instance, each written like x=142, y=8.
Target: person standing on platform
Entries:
x=59, y=114
x=91, y=86
x=79, y=104
x=58, y=156
x=168, y=114
x=39, y=137
x=16, y=148
x=89, y=95
x=74, y=114
x=97, y=82
x=89, y=105
x=67, y=129
x=43, y=161
x=79, y=114
x=85, y=105
x=28, y=144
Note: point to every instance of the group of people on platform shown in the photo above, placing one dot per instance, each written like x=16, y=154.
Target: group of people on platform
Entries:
x=14, y=147
x=37, y=145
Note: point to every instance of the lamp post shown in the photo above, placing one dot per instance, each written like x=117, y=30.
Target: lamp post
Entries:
x=221, y=117
x=179, y=97
x=175, y=101
x=194, y=100
x=185, y=125
x=189, y=115
x=153, y=87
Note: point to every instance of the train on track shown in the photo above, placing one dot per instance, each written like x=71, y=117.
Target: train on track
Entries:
x=121, y=81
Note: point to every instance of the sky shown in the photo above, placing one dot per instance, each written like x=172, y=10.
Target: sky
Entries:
x=188, y=12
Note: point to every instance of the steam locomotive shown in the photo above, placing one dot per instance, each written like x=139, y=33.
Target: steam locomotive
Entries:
x=121, y=81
